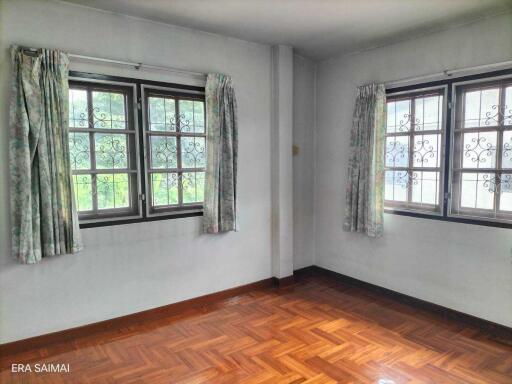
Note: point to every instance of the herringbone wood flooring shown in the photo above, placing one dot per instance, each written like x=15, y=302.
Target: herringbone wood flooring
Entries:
x=317, y=331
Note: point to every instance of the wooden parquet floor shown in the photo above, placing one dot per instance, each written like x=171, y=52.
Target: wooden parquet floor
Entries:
x=316, y=331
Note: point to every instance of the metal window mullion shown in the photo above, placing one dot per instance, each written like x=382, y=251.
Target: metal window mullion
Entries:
x=110, y=131
x=458, y=153
x=178, y=150
x=173, y=133
x=175, y=170
x=477, y=170
x=407, y=133
x=411, y=150
x=420, y=169
x=101, y=171
x=92, y=144
x=494, y=128
x=499, y=149
x=442, y=151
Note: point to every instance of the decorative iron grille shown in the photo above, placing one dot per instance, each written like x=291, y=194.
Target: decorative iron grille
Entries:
x=414, y=150
x=102, y=150
x=482, y=163
x=176, y=146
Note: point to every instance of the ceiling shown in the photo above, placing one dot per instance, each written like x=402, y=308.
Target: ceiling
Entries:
x=315, y=28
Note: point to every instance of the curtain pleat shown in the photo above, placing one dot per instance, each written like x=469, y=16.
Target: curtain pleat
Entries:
x=365, y=182
x=44, y=220
x=220, y=211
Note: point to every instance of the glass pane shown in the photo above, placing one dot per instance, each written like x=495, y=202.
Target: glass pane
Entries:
x=396, y=184
x=403, y=116
x=199, y=116
x=425, y=187
x=111, y=151
x=193, y=152
x=506, y=192
x=164, y=188
x=477, y=190
x=163, y=152
x=397, y=151
x=191, y=116
x=193, y=187
x=489, y=107
x=109, y=110
x=113, y=190
x=78, y=117
x=82, y=186
x=426, y=150
x=506, y=156
x=391, y=117
x=79, y=150
x=162, y=114
x=508, y=106
x=428, y=113
x=480, y=108
x=479, y=150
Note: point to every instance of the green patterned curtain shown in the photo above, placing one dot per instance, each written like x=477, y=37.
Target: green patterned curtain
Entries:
x=222, y=153
x=365, y=184
x=44, y=221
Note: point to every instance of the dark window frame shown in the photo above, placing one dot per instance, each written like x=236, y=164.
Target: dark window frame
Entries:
x=411, y=134
x=446, y=161
x=77, y=77
x=460, y=89
x=178, y=95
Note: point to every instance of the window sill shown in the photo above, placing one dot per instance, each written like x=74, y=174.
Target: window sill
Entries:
x=168, y=216
x=451, y=219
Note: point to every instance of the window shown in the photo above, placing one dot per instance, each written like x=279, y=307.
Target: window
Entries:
x=414, y=150
x=103, y=151
x=137, y=150
x=482, y=156
x=175, y=143
x=448, y=151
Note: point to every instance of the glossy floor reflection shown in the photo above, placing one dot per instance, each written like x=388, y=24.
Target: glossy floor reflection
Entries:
x=317, y=331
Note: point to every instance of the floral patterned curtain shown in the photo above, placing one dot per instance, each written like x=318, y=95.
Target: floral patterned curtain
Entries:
x=222, y=154
x=365, y=184
x=44, y=221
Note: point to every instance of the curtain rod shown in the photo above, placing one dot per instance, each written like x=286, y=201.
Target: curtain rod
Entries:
x=448, y=73
x=137, y=66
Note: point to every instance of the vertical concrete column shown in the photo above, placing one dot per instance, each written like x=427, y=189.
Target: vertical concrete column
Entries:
x=281, y=161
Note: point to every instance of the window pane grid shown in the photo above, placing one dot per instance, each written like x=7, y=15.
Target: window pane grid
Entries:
x=176, y=155
x=102, y=146
x=413, y=156
x=482, y=165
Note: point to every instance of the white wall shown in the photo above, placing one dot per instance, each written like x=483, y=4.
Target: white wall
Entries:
x=464, y=267
x=304, y=73
x=129, y=268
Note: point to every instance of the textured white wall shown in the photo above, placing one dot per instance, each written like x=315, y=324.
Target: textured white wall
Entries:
x=129, y=268
x=304, y=72
x=464, y=267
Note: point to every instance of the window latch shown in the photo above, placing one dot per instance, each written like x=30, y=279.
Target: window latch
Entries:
x=142, y=196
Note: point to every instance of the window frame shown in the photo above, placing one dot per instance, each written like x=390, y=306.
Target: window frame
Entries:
x=112, y=214
x=407, y=206
x=179, y=94
x=487, y=82
x=447, y=159
x=76, y=77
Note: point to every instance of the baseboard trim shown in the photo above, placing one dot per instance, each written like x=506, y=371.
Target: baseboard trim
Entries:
x=283, y=281
x=499, y=332
x=128, y=320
